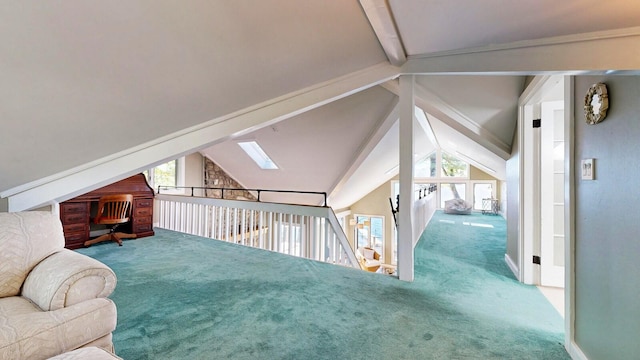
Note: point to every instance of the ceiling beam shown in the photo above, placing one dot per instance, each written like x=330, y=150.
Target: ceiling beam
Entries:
x=381, y=19
x=434, y=105
x=79, y=180
x=425, y=123
x=366, y=147
x=588, y=53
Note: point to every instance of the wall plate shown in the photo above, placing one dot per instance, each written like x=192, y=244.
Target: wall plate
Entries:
x=588, y=169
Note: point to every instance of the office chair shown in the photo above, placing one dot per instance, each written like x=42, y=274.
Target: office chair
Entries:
x=113, y=210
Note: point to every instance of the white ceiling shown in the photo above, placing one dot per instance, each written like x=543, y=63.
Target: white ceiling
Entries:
x=434, y=26
x=82, y=81
x=312, y=150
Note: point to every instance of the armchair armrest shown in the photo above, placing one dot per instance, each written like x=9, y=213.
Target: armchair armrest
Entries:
x=66, y=278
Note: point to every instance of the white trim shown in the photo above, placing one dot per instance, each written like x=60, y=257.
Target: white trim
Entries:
x=407, y=194
x=533, y=95
x=381, y=19
x=180, y=178
x=434, y=101
x=125, y=163
x=570, y=216
x=575, y=352
x=555, y=40
x=512, y=266
x=570, y=54
x=432, y=104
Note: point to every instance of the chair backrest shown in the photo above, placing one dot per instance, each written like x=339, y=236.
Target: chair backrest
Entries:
x=114, y=209
x=362, y=252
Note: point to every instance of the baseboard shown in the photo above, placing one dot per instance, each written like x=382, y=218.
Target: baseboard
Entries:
x=512, y=266
x=575, y=352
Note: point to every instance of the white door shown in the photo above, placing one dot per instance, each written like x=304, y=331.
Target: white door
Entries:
x=552, y=156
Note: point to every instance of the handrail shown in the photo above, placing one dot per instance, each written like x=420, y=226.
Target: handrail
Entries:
x=300, y=230
x=324, y=194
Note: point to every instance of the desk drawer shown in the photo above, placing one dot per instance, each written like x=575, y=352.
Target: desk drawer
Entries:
x=74, y=208
x=75, y=218
x=142, y=212
x=142, y=220
x=139, y=228
x=140, y=203
x=75, y=237
x=73, y=228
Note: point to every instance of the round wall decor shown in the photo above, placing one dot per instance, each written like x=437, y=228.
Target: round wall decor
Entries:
x=596, y=103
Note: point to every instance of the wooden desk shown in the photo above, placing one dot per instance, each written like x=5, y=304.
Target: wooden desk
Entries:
x=76, y=213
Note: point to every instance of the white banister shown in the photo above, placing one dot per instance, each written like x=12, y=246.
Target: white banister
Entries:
x=305, y=231
x=423, y=210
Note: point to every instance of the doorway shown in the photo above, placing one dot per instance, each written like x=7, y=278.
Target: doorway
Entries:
x=545, y=181
x=552, y=158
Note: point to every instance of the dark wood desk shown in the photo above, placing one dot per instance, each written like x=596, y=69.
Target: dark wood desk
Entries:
x=76, y=213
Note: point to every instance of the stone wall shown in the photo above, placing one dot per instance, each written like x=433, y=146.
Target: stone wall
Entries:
x=214, y=176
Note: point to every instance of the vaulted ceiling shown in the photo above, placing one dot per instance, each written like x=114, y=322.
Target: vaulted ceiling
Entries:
x=95, y=91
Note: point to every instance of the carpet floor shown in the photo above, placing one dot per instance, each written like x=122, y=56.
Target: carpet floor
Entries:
x=181, y=296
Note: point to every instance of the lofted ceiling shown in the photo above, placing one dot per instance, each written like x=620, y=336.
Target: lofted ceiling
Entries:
x=312, y=150
x=434, y=26
x=91, y=91
x=83, y=80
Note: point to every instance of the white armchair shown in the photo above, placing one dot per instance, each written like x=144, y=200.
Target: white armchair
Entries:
x=368, y=258
x=52, y=300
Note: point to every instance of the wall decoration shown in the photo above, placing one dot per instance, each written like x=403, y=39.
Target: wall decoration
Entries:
x=596, y=103
x=588, y=169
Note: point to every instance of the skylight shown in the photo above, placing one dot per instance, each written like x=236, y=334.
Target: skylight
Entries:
x=258, y=155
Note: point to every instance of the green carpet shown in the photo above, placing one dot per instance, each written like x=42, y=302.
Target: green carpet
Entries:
x=184, y=297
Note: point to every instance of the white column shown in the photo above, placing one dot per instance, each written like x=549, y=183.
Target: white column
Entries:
x=405, y=223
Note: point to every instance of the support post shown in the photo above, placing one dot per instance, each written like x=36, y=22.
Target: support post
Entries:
x=405, y=224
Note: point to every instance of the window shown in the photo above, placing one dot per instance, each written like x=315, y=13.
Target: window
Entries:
x=370, y=233
x=481, y=191
x=258, y=155
x=452, y=181
x=426, y=167
x=454, y=167
x=452, y=191
x=169, y=174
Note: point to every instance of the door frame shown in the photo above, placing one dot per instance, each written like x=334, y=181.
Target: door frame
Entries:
x=528, y=272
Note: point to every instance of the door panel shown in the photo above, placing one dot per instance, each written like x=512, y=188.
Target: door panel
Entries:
x=552, y=159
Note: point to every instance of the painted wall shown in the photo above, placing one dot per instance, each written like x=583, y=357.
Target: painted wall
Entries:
x=193, y=170
x=477, y=174
x=606, y=231
x=513, y=202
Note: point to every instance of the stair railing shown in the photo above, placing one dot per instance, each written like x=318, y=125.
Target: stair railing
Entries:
x=311, y=232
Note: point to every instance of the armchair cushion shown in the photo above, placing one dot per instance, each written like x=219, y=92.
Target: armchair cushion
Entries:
x=25, y=239
x=52, y=300
x=67, y=278
x=30, y=333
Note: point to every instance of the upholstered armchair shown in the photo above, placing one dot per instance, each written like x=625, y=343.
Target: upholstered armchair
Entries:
x=52, y=300
x=368, y=258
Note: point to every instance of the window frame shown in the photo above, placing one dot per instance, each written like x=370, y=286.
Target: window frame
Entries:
x=180, y=178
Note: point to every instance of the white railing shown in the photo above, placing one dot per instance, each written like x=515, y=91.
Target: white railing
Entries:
x=423, y=210
x=311, y=232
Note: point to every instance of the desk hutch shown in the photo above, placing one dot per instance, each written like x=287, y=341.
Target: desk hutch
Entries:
x=76, y=213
